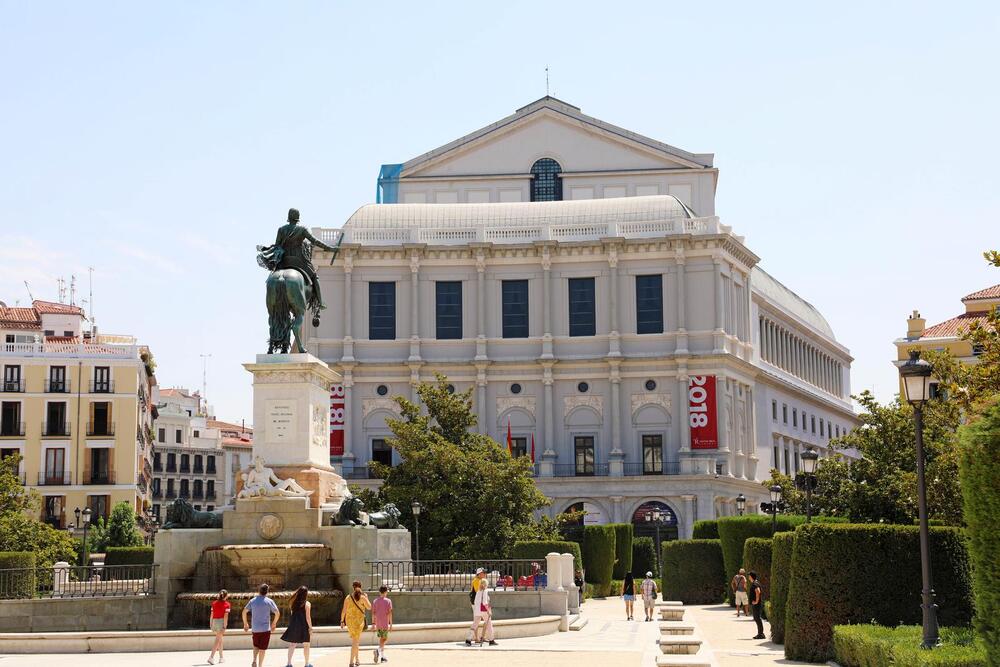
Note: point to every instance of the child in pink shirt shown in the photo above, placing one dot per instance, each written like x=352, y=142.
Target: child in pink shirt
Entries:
x=382, y=621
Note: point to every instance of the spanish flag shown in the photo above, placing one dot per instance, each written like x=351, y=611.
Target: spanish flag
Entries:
x=510, y=440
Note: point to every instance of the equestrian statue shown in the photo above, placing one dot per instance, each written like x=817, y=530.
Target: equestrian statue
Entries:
x=292, y=287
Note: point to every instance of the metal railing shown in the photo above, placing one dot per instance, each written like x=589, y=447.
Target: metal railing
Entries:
x=361, y=472
x=210, y=469
x=57, y=387
x=56, y=429
x=665, y=468
x=171, y=494
x=54, y=478
x=171, y=467
x=100, y=428
x=157, y=493
x=185, y=468
x=77, y=581
x=572, y=470
x=457, y=575
x=102, y=386
x=12, y=429
x=12, y=386
x=210, y=495
x=99, y=477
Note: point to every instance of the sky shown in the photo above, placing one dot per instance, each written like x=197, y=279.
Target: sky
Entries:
x=159, y=142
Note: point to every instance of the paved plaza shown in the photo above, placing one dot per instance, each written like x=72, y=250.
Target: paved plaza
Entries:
x=606, y=639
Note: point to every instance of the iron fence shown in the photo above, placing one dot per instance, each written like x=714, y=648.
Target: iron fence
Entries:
x=77, y=581
x=572, y=470
x=665, y=468
x=457, y=575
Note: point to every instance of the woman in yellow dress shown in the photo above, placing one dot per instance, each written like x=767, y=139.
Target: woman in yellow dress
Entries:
x=352, y=616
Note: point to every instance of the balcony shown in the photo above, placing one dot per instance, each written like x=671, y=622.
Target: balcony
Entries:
x=210, y=468
x=157, y=465
x=12, y=386
x=55, y=429
x=185, y=494
x=210, y=494
x=185, y=467
x=362, y=473
x=11, y=429
x=199, y=469
x=171, y=494
x=103, y=477
x=54, y=478
x=157, y=493
x=57, y=521
x=102, y=386
x=57, y=387
x=171, y=466
x=197, y=495
x=141, y=485
x=641, y=469
x=571, y=470
x=100, y=429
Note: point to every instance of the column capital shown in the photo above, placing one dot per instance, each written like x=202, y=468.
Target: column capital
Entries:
x=348, y=261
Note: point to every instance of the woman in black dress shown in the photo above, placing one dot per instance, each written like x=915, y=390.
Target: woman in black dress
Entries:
x=300, y=626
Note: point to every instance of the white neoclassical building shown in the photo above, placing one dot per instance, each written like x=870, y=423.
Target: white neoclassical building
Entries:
x=575, y=275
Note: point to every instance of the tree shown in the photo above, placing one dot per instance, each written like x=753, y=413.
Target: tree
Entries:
x=19, y=529
x=477, y=499
x=122, y=528
x=14, y=497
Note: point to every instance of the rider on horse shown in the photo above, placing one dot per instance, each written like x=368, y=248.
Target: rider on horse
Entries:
x=292, y=250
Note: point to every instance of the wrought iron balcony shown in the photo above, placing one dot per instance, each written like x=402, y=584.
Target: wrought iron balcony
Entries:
x=572, y=470
x=12, y=386
x=99, y=477
x=102, y=386
x=11, y=429
x=57, y=387
x=54, y=478
x=100, y=429
x=642, y=469
x=51, y=429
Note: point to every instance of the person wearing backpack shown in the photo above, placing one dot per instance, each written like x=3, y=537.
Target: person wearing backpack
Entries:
x=649, y=590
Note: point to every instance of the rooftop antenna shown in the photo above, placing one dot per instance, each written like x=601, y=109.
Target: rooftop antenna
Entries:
x=72, y=289
x=90, y=299
x=546, y=81
x=61, y=289
x=204, y=379
x=30, y=295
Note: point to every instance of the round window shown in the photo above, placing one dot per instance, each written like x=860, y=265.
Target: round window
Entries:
x=451, y=389
x=650, y=385
x=382, y=390
x=515, y=388
x=582, y=387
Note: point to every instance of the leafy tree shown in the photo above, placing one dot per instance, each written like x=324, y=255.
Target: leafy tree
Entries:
x=19, y=529
x=14, y=497
x=478, y=500
x=120, y=530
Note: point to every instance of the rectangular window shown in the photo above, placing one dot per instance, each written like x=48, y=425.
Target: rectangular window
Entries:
x=821, y=432
x=171, y=493
x=102, y=380
x=98, y=508
x=54, y=515
x=518, y=447
x=198, y=463
x=649, y=304
x=582, y=316
x=795, y=418
x=210, y=490
x=163, y=435
x=652, y=454
x=55, y=419
x=448, y=307
x=185, y=491
x=10, y=419
x=57, y=379
x=210, y=464
x=774, y=410
x=156, y=512
x=812, y=421
x=171, y=462
x=185, y=463
x=101, y=419
x=381, y=452
x=177, y=436
x=197, y=433
x=583, y=447
x=784, y=413
x=197, y=489
x=157, y=487
x=55, y=466
x=786, y=462
x=100, y=466
x=777, y=460
x=382, y=311
x=12, y=379
x=514, y=295
x=838, y=431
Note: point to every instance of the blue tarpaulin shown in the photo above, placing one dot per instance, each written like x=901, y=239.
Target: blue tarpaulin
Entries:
x=387, y=191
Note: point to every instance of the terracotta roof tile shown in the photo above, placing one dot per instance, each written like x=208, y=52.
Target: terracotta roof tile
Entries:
x=53, y=308
x=19, y=318
x=62, y=339
x=228, y=426
x=955, y=326
x=237, y=442
x=988, y=293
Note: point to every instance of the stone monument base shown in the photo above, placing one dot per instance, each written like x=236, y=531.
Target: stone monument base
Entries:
x=328, y=488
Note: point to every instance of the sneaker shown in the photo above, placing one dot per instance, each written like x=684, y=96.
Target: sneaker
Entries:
x=385, y=659
x=468, y=642
x=492, y=643
x=211, y=662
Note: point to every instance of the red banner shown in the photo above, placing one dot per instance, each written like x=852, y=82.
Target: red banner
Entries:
x=702, y=412
x=337, y=420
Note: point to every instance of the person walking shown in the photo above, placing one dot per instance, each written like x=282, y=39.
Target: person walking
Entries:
x=260, y=608
x=739, y=588
x=628, y=594
x=382, y=621
x=477, y=582
x=217, y=622
x=483, y=613
x=649, y=590
x=578, y=582
x=757, y=604
x=352, y=616
x=299, y=629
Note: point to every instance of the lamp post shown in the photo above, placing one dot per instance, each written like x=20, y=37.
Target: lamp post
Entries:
x=915, y=373
x=86, y=524
x=773, y=506
x=810, y=458
x=415, y=507
x=657, y=519
x=741, y=503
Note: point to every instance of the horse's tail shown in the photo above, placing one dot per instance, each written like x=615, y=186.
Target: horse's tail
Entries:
x=279, y=320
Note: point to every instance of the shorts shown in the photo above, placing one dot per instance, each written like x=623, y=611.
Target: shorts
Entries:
x=382, y=633
x=628, y=597
x=742, y=599
x=261, y=640
x=648, y=602
x=218, y=625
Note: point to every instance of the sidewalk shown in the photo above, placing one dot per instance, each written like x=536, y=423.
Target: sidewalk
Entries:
x=729, y=638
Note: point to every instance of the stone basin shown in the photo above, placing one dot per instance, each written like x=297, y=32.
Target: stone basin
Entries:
x=243, y=567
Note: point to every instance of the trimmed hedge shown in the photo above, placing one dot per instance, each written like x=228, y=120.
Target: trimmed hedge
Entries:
x=644, y=557
x=128, y=556
x=878, y=646
x=734, y=531
x=781, y=572
x=706, y=529
x=978, y=471
x=757, y=558
x=537, y=550
x=860, y=573
x=693, y=572
x=623, y=549
x=19, y=587
x=599, y=557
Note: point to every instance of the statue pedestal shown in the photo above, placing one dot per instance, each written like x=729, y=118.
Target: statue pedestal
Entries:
x=291, y=417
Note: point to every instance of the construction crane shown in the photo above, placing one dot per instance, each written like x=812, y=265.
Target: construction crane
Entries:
x=30, y=295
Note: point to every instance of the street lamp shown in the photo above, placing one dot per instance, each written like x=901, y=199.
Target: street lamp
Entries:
x=656, y=518
x=915, y=374
x=86, y=524
x=741, y=503
x=773, y=506
x=810, y=457
x=415, y=507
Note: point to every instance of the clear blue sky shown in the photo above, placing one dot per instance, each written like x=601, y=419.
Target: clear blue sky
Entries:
x=159, y=142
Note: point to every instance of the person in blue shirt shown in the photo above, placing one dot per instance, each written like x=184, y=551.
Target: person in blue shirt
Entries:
x=260, y=608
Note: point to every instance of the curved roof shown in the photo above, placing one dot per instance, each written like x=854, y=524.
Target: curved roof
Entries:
x=766, y=284
x=520, y=214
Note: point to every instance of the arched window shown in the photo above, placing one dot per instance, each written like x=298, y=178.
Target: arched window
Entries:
x=546, y=184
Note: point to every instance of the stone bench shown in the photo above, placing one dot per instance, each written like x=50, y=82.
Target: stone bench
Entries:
x=682, y=661
x=675, y=628
x=671, y=613
x=676, y=644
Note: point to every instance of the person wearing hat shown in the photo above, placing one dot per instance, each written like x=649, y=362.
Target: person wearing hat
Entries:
x=480, y=609
x=649, y=591
x=289, y=252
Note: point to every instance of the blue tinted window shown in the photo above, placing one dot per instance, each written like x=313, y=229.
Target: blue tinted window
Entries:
x=649, y=304
x=546, y=184
x=449, y=309
x=382, y=311
x=582, y=320
x=515, y=308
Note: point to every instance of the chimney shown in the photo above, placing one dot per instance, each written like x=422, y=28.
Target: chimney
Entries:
x=915, y=325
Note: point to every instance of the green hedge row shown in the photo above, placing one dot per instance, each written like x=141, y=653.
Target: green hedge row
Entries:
x=734, y=531
x=128, y=556
x=706, y=529
x=979, y=470
x=845, y=573
x=537, y=550
x=623, y=549
x=21, y=585
x=644, y=557
x=757, y=558
x=781, y=572
x=879, y=646
x=693, y=571
x=599, y=557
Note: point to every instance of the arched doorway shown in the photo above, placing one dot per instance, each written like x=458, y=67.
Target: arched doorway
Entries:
x=643, y=527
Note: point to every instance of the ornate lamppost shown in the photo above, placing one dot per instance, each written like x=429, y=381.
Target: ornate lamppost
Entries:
x=741, y=504
x=774, y=506
x=656, y=518
x=86, y=513
x=810, y=458
x=915, y=374
x=415, y=507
